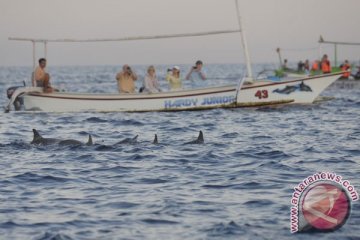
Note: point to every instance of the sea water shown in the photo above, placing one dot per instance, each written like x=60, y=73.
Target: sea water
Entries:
x=238, y=185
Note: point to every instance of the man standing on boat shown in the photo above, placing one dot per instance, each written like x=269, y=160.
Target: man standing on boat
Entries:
x=325, y=64
x=196, y=75
x=126, y=79
x=41, y=78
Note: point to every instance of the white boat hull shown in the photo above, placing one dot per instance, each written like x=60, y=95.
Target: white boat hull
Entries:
x=300, y=91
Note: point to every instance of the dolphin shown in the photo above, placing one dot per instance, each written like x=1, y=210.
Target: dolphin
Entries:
x=39, y=140
x=128, y=140
x=304, y=87
x=286, y=90
x=155, y=140
x=72, y=142
x=199, y=140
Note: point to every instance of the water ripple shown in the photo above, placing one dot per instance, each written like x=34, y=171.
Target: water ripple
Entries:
x=235, y=186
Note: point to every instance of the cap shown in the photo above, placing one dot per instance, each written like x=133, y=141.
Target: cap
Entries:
x=177, y=68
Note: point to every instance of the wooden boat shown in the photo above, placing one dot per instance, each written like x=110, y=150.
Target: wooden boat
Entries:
x=259, y=93
x=247, y=93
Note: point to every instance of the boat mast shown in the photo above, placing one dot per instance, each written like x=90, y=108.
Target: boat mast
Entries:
x=244, y=44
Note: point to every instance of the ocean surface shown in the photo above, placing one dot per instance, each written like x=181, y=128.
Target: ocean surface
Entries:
x=238, y=185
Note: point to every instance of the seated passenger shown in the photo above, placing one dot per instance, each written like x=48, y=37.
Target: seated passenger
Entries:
x=41, y=78
x=125, y=80
x=346, y=67
x=357, y=75
x=151, y=83
x=173, y=78
x=196, y=75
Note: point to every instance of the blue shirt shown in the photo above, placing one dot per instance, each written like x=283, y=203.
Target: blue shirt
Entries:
x=196, y=80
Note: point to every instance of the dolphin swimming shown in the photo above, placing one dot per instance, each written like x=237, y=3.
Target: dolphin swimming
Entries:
x=128, y=140
x=39, y=140
x=199, y=140
x=156, y=139
x=72, y=142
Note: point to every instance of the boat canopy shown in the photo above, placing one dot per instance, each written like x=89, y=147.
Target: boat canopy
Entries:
x=335, y=43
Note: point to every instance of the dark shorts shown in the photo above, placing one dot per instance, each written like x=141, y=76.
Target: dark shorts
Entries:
x=39, y=83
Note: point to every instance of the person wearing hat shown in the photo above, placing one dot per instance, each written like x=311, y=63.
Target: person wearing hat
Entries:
x=196, y=74
x=174, y=80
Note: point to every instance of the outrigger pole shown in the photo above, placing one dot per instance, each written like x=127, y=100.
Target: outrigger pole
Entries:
x=322, y=41
x=68, y=40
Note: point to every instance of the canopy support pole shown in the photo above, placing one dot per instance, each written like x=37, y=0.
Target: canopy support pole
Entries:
x=34, y=65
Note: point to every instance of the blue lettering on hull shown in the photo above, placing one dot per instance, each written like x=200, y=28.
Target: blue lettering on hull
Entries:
x=191, y=102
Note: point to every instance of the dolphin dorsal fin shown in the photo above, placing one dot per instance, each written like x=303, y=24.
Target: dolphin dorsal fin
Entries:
x=200, y=137
x=90, y=141
x=135, y=138
x=156, y=140
x=36, y=135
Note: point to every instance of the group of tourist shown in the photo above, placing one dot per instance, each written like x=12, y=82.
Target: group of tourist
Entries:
x=127, y=77
x=324, y=66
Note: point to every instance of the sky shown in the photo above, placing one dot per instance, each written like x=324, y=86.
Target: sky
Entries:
x=293, y=25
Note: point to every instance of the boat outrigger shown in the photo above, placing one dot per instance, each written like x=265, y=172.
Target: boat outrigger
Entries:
x=247, y=93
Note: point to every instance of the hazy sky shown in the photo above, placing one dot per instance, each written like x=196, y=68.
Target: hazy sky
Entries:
x=289, y=24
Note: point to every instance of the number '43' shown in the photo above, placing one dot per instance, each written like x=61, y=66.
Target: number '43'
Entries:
x=262, y=94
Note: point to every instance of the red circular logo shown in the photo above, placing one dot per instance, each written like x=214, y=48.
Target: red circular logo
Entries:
x=326, y=207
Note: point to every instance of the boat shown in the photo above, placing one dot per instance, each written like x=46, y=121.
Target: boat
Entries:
x=346, y=84
x=246, y=93
x=259, y=93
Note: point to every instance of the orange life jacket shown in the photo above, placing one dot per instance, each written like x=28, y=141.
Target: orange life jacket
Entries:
x=346, y=67
x=325, y=67
x=315, y=66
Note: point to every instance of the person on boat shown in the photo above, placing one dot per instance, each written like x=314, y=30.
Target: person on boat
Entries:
x=196, y=75
x=346, y=67
x=357, y=75
x=41, y=78
x=174, y=79
x=285, y=65
x=315, y=66
x=325, y=64
x=307, y=66
x=126, y=79
x=151, y=83
x=301, y=66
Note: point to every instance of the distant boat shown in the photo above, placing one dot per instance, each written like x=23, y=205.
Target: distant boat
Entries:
x=247, y=93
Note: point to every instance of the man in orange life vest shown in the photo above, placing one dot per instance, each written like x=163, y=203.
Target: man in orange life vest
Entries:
x=325, y=64
x=346, y=67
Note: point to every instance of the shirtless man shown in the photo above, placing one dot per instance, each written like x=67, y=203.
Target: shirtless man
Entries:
x=126, y=79
x=41, y=78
